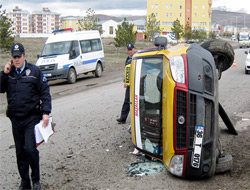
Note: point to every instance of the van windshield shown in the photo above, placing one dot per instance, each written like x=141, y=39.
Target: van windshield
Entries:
x=150, y=103
x=244, y=37
x=56, y=48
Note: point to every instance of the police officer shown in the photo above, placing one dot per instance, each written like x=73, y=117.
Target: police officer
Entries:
x=29, y=101
x=126, y=104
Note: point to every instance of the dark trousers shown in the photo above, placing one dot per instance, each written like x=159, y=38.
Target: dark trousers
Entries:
x=126, y=105
x=26, y=150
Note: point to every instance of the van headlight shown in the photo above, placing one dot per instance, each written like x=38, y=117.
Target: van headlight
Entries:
x=177, y=69
x=176, y=165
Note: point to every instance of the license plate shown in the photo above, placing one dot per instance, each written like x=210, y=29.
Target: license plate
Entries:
x=47, y=74
x=197, y=146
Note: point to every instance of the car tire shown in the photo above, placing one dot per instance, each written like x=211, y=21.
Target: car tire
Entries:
x=246, y=71
x=71, y=76
x=222, y=52
x=224, y=164
x=98, y=71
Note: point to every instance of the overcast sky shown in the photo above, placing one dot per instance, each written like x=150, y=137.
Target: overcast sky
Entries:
x=108, y=7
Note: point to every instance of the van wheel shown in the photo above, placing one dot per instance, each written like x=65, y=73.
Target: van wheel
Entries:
x=222, y=52
x=98, y=71
x=71, y=76
x=224, y=164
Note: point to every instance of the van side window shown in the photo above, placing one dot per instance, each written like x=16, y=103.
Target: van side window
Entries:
x=75, y=47
x=91, y=45
x=85, y=46
x=96, y=45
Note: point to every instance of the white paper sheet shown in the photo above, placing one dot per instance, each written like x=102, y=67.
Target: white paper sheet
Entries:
x=41, y=133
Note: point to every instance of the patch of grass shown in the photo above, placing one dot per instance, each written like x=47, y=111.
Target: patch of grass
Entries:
x=113, y=55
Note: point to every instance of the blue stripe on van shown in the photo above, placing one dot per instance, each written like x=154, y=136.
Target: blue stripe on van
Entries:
x=85, y=62
x=92, y=60
x=66, y=66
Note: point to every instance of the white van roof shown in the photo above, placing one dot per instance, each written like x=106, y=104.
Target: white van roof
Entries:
x=69, y=36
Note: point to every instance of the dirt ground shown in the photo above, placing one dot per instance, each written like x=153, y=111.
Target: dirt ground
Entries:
x=82, y=156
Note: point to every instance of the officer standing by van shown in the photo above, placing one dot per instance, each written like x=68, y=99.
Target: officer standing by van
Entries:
x=126, y=104
x=29, y=101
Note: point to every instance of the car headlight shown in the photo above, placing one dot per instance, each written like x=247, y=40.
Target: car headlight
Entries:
x=177, y=68
x=248, y=59
x=176, y=165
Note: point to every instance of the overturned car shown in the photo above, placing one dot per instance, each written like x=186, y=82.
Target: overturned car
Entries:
x=175, y=106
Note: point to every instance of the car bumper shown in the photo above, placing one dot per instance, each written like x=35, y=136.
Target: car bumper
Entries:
x=56, y=74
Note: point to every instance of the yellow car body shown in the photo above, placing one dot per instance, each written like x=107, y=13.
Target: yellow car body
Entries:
x=162, y=84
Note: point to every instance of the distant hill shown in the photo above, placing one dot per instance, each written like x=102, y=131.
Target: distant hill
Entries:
x=218, y=17
x=230, y=18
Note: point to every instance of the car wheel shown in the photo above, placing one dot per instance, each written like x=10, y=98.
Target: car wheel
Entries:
x=98, y=71
x=246, y=71
x=224, y=164
x=71, y=76
x=222, y=52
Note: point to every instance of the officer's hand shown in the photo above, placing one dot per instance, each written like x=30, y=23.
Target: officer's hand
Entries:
x=45, y=120
x=124, y=86
x=7, y=67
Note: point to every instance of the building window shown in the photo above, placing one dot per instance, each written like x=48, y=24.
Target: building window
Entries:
x=111, y=30
x=180, y=6
x=203, y=24
x=180, y=15
x=171, y=6
x=203, y=15
x=195, y=15
x=188, y=10
x=156, y=14
x=166, y=14
x=195, y=24
x=167, y=23
x=171, y=15
x=195, y=6
x=203, y=6
x=156, y=6
x=167, y=6
x=152, y=6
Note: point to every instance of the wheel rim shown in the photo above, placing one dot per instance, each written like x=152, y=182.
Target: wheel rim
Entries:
x=72, y=75
x=99, y=69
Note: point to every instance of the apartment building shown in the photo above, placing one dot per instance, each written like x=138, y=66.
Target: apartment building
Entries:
x=195, y=12
x=44, y=21
x=20, y=19
x=70, y=22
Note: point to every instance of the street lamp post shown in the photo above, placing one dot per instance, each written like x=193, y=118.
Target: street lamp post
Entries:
x=236, y=23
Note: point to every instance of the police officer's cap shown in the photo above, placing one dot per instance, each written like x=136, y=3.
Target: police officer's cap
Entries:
x=17, y=50
x=130, y=46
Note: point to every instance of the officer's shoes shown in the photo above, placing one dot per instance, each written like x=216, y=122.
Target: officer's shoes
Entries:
x=37, y=186
x=21, y=187
x=120, y=121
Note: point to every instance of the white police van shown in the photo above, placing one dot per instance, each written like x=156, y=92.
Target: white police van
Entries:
x=67, y=54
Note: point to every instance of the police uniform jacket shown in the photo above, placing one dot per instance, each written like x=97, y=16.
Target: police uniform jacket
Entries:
x=128, y=60
x=27, y=93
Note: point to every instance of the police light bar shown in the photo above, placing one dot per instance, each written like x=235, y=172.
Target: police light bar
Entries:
x=63, y=30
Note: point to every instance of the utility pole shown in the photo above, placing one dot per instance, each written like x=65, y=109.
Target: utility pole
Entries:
x=236, y=23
